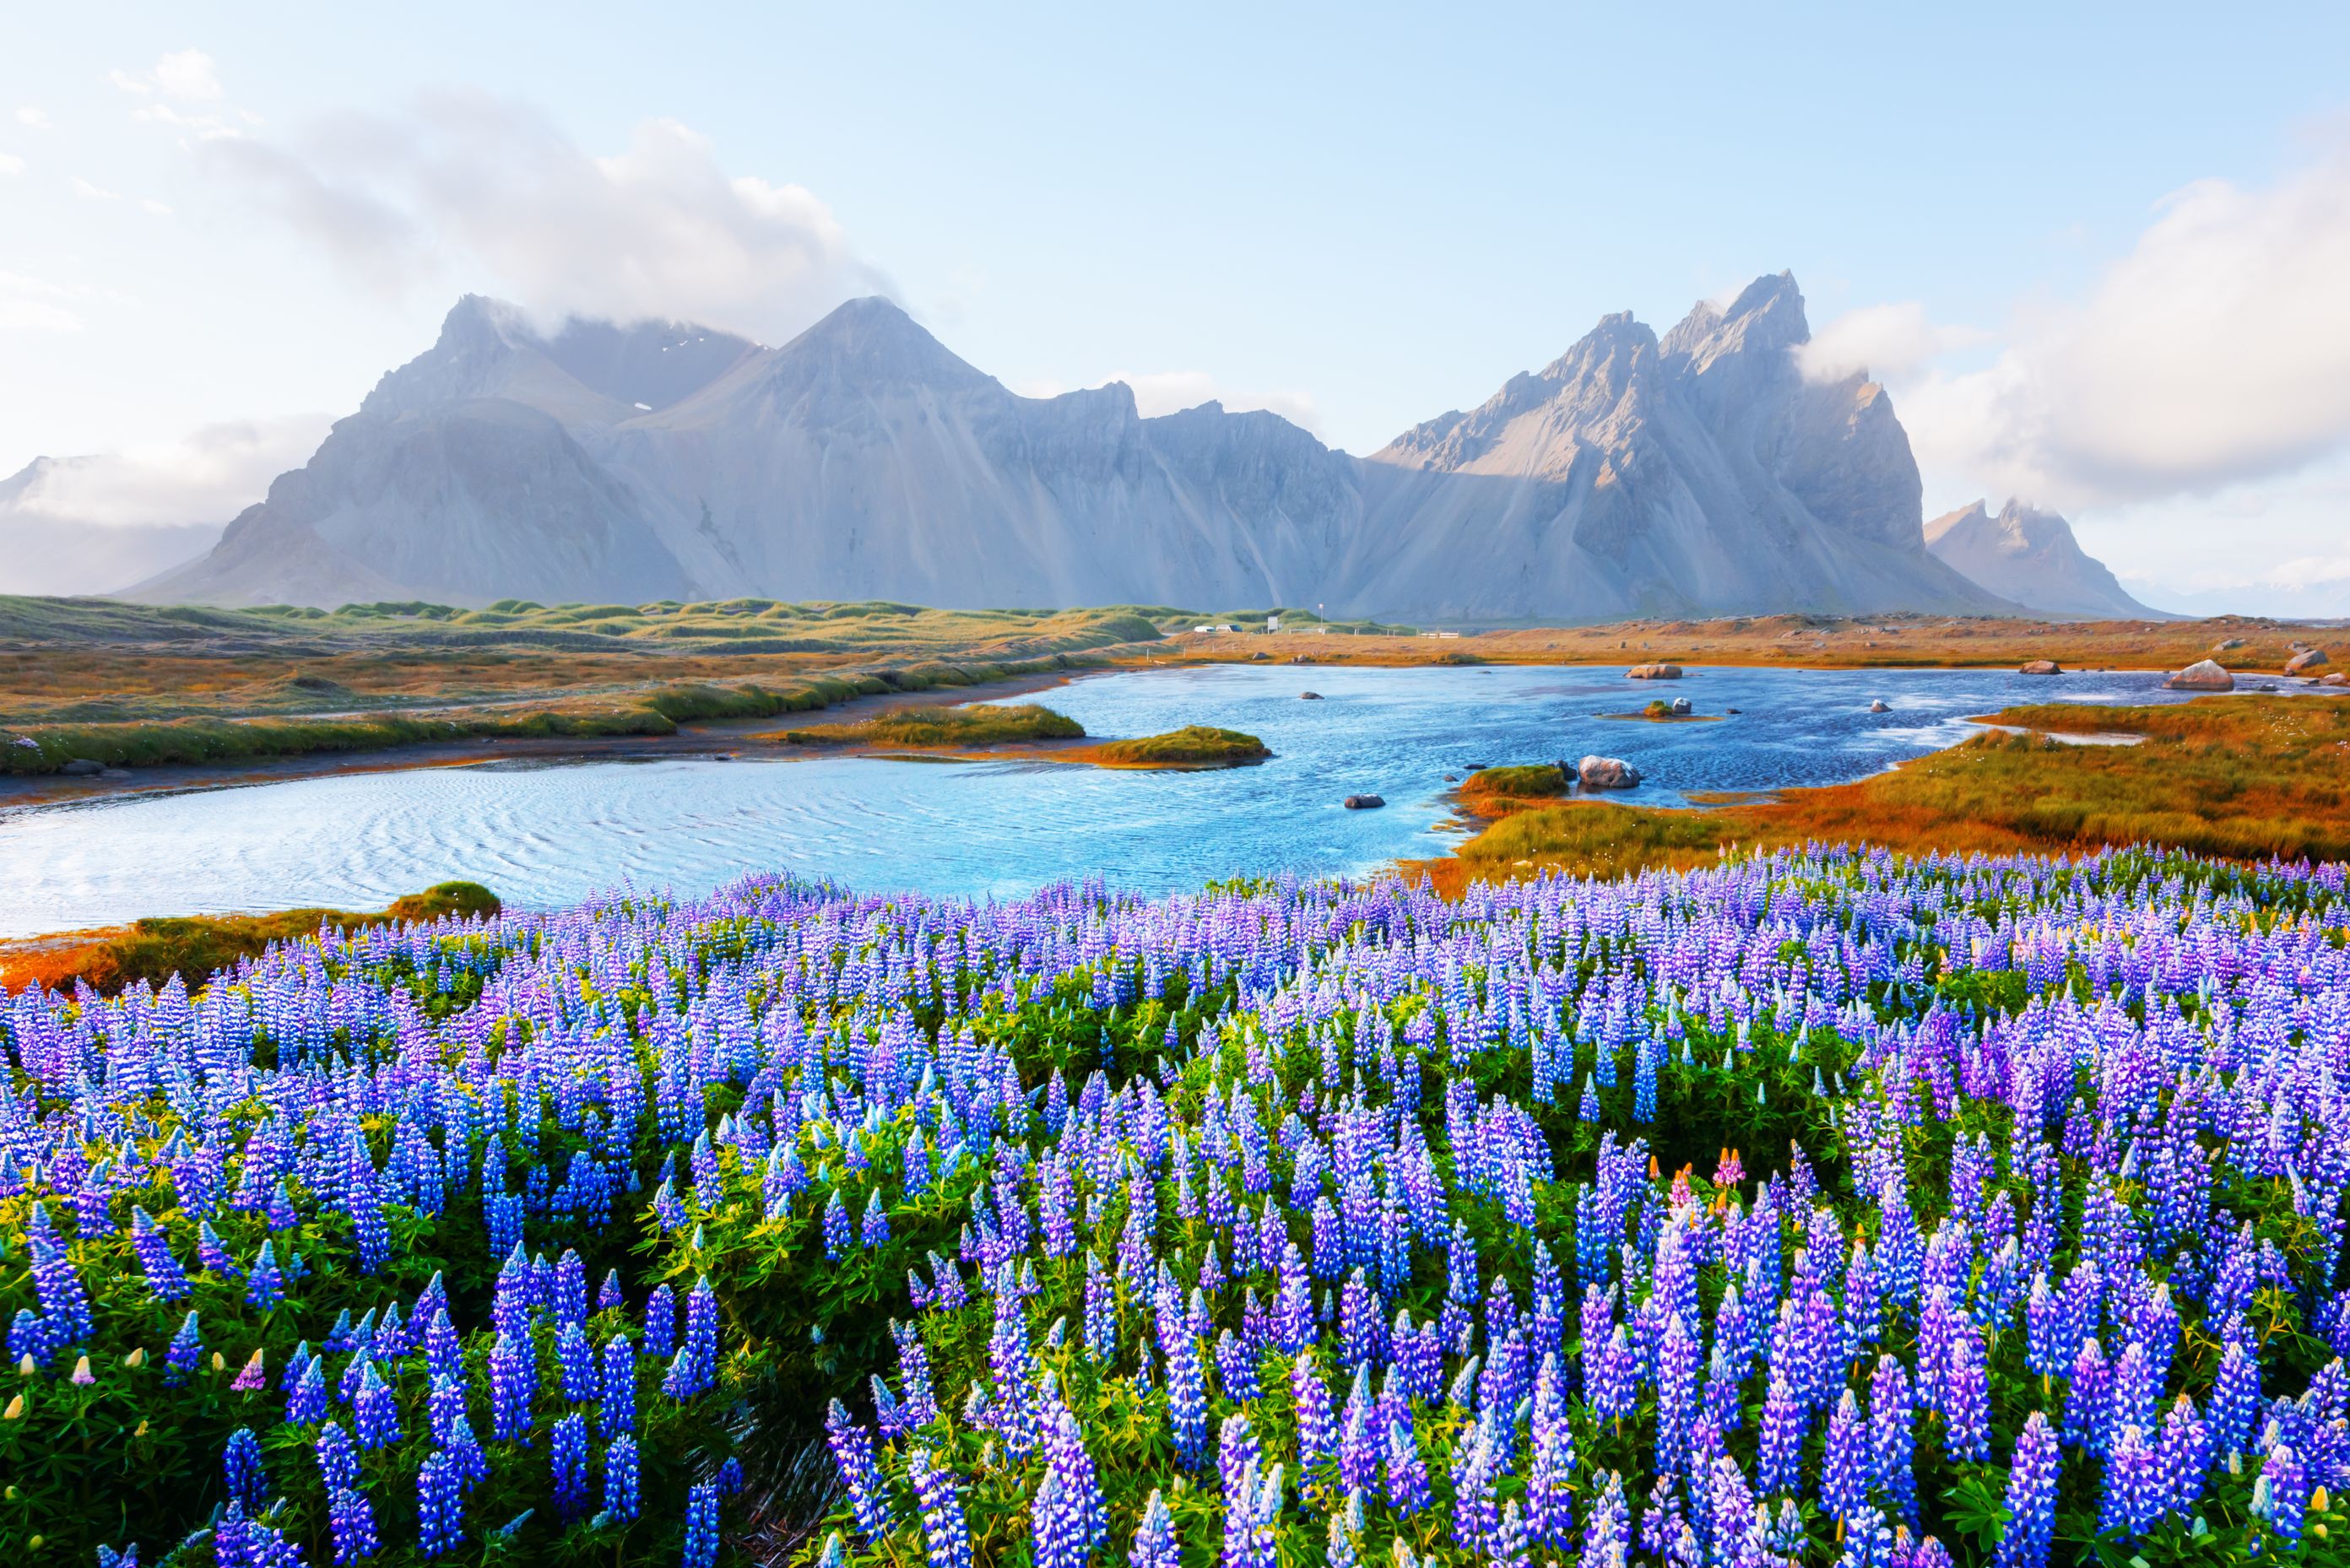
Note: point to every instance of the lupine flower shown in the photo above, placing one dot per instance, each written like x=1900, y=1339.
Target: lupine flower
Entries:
x=64, y=1304
x=621, y=1478
x=700, y=1526
x=944, y=1532
x=568, y=1457
x=852, y=1451
x=248, y=1483
x=2031, y=1482
x=351, y=1520
x=266, y=1288
x=186, y=1349
x=165, y=1278
x=1155, y=1546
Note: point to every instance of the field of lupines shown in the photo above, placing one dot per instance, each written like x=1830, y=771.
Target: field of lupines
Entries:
x=1811, y=1208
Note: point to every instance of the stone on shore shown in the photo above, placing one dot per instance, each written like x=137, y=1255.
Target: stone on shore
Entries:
x=2307, y=659
x=1653, y=672
x=2203, y=675
x=2041, y=667
x=1607, y=772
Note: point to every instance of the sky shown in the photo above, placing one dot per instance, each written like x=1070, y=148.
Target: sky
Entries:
x=2099, y=255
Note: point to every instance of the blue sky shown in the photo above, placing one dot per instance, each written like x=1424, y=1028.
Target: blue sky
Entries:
x=217, y=227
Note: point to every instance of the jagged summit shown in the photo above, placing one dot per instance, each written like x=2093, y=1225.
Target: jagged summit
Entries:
x=864, y=459
x=2031, y=557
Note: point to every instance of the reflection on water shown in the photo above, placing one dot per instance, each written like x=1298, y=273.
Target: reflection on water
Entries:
x=547, y=835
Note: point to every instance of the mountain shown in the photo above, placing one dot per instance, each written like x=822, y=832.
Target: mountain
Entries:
x=863, y=459
x=50, y=551
x=2032, y=557
x=1700, y=473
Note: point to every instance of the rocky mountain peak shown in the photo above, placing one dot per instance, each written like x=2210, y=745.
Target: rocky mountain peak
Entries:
x=2029, y=555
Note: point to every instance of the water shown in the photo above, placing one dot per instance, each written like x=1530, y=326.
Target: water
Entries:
x=546, y=835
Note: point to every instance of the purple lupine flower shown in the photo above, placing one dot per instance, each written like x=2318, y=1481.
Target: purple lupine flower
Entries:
x=1187, y=1398
x=621, y=1478
x=266, y=1288
x=1778, y=1463
x=839, y=1235
x=351, y=1520
x=29, y=1337
x=375, y=1411
x=1892, y=1436
x=186, y=1349
x=2235, y=1396
x=1846, y=1467
x=2088, y=1399
x=2281, y=1496
x=64, y=1304
x=2134, y=1486
x=700, y=1526
x=874, y=1229
x=2031, y=1481
x=1155, y=1546
x=852, y=1451
x=1607, y=1532
x=1318, y=1438
x=1408, y=1484
x=2186, y=1452
x=339, y=1462
x=1068, y=1517
x=1967, y=1398
x=944, y=1531
x=165, y=1278
x=306, y=1402
x=1362, y=1442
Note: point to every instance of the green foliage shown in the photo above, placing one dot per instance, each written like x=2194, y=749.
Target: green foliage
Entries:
x=1193, y=744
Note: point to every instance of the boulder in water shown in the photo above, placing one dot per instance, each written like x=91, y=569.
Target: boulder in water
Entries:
x=1653, y=672
x=1309, y=696
x=82, y=768
x=1878, y=706
x=1682, y=707
x=2041, y=667
x=1365, y=802
x=1607, y=772
x=2203, y=675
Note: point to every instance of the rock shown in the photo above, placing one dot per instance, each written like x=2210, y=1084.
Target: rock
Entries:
x=2228, y=645
x=2307, y=659
x=1309, y=696
x=1255, y=658
x=1653, y=672
x=82, y=768
x=1607, y=772
x=1733, y=709
x=1878, y=707
x=1365, y=802
x=1475, y=767
x=2203, y=675
x=2040, y=667
x=1681, y=705
x=2334, y=677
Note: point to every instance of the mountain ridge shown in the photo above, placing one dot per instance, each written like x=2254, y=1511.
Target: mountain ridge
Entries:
x=2031, y=557
x=1699, y=471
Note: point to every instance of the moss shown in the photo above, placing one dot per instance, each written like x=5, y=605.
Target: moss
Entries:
x=1527, y=782
x=980, y=725
x=1193, y=745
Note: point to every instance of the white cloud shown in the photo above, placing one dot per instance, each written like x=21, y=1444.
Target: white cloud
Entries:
x=1889, y=342
x=208, y=476
x=10, y=165
x=159, y=209
x=90, y=192
x=469, y=192
x=32, y=118
x=187, y=75
x=2217, y=351
x=36, y=305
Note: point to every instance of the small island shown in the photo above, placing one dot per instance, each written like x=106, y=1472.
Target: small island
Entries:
x=943, y=729
x=1192, y=746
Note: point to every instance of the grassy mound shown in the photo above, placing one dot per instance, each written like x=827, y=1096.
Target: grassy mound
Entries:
x=194, y=947
x=1194, y=745
x=2243, y=778
x=980, y=725
x=1533, y=781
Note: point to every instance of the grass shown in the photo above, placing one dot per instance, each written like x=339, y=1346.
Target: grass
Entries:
x=1194, y=745
x=980, y=725
x=194, y=947
x=2243, y=778
x=1532, y=780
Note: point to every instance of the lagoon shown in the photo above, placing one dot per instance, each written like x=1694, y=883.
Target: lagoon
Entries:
x=548, y=834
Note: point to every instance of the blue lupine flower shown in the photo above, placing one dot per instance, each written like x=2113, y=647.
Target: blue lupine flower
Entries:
x=852, y=1451
x=351, y=1520
x=700, y=1526
x=241, y=1468
x=2031, y=1482
x=944, y=1532
x=568, y=1458
x=440, y=1504
x=186, y=1349
x=165, y=1278
x=621, y=1478
x=266, y=1288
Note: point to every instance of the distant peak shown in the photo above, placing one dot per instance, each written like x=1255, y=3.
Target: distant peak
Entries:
x=873, y=338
